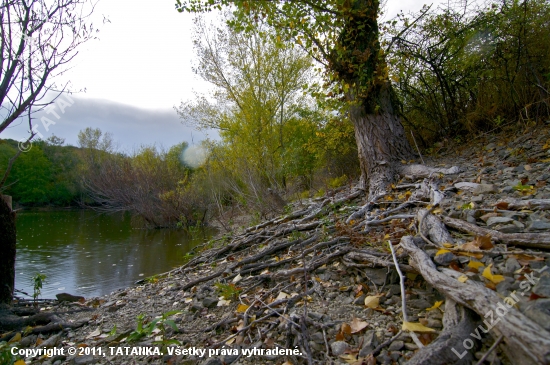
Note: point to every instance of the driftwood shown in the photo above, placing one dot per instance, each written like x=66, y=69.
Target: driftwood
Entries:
x=458, y=323
x=534, y=240
x=529, y=342
x=533, y=204
x=435, y=230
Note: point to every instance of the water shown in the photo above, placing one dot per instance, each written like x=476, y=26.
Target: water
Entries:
x=84, y=253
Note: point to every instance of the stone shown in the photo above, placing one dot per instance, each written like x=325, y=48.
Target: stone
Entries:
x=318, y=337
x=493, y=221
x=66, y=297
x=484, y=189
x=539, y=311
x=360, y=300
x=339, y=347
x=195, y=307
x=445, y=259
x=509, y=228
x=466, y=186
x=418, y=303
x=512, y=265
x=410, y=346
x=378, y=276
x=83, y=360
x=542, y=288
x=212, y=361
x=487, y=216
x=210, y=302
x=538, y=225
x=396, y=346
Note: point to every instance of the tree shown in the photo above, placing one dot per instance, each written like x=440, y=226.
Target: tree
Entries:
x=38, y=40
x=258, y=95
x=342, y=35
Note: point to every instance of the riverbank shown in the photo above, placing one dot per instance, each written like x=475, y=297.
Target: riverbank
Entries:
x=322, y=280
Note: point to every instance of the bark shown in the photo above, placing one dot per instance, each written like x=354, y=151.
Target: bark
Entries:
x=381, y=143
x=7, y=252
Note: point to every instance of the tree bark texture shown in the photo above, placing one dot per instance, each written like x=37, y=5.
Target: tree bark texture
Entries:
x=7, y=252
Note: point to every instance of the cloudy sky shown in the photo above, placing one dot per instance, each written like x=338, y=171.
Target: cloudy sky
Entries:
x=135, y=74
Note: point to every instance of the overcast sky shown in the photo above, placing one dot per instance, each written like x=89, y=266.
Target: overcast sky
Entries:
x=135, y=74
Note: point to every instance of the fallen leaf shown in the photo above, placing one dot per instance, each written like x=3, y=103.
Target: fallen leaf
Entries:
x=448, y=245
x=16, y=338
x=357, y=325
x=241, y=308
x=236, y=279
x=475, y=264
x=95, y=333
x=493, y=278
x=372, y=301
x=435, y=306
x=502, y=205
x=345, y=329
x=416, y=327
x=411, y=275
x=19, y=362
x=441, y=252
x=230, y=341
x=223, y=303
x=282, y=295
x=462, y=278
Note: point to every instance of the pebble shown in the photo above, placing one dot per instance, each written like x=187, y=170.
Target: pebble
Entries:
x=396, y=346
x=339, y=347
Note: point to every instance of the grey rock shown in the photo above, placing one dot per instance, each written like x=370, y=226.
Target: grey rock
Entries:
x=378, y=276
x=396, y=346
x=539, y=225
x=477, y=199
x=65, y=297
x=318, y=337
x=484, y=189
x=466, y=186
x=539, y=311
x=339, y=347
x=360, y=300
x=493, y=221
x=410, y=346
x=445, y=259
x=212, y=361
x=507, y=190
x=84, y=360
x=542, y=288
x=512, y=265
x=210, y=302
x=418, y=303
x=195, y=307
x=509, y=228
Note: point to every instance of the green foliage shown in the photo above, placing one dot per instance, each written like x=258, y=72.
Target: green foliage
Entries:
x=38, y=280
x=228, y=291
x=162, y=323
x=5, y=354
x=463, y=69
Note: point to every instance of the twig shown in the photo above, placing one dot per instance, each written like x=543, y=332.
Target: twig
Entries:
x=490, y=350
x=418, y=149
x=403, y=300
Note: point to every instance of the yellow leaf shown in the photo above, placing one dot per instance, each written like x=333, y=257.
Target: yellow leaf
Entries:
x=448, y=245
x=357, y=325
x=372, y=301
x=411, y=275
x=476, y=264
x=441, y=252
x=16, y=338
x=19, y=362
x=435, y=306
x=437, y=211
x=416, y=327
x=462, y=278
x=494, y=278
x=241, y=308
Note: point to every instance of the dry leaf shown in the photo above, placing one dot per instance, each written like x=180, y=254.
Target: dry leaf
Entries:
x=282, y=295
x=236, y=279
x=372, y=301
x=346, y=329
x=435, y=306
x=484, y=242
x=241, y=308
x=462, y=278
x=448, y=245
x=494, y=278
x=441, y=252
x=416, y=327
x=357, y=325
x=475, y=264
x=16, y=338
x=19, y=362
x=95, y=333
x=502, y=205
x=223, y=303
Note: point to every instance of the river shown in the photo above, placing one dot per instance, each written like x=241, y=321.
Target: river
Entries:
x=84, y=253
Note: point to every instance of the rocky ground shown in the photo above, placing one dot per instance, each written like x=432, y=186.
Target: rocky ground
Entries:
x=473, y=247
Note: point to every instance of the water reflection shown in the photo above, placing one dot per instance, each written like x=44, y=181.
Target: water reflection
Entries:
x=87, y=254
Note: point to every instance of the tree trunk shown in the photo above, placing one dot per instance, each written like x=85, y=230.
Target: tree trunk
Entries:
x=359, y=63
x=381, y=143
x=7, y=252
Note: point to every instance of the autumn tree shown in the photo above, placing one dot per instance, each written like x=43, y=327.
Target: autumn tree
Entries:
x=38, y=40
x=342, y=35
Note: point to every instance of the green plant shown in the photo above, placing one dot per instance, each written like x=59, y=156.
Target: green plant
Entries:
x=5, y=354
x=152, y=279
x=38, y=280
x=228, y=291
x=161, y=323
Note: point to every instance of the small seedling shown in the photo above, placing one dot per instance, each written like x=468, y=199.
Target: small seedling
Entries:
x=228, y=291
x=161, y=323
x=38, y=280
